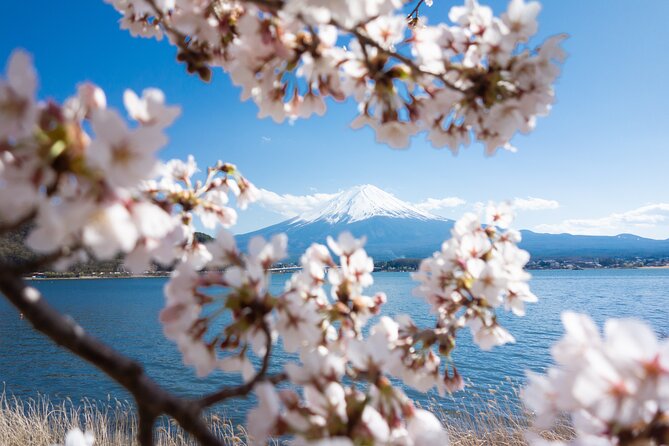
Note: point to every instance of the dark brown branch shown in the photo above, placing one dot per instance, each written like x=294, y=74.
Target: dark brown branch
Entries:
x=415, y=10
x=145, y=427
x=152, y=399
x=365, y=40
x=192, y=58
x=272, y=5
x=276, y=5
x=181, y=37
x=246, y=388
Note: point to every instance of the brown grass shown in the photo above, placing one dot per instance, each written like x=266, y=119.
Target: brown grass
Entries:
x=41, y=422
x=491, y=417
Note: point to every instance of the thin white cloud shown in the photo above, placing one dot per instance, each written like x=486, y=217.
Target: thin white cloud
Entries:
x=292, y=205
x=435, y=204
x=265, y=139
x=534, y=204
x=649, y=221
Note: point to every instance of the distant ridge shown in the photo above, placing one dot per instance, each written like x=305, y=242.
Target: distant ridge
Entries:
x=397, y=229
x=561, y=246
x=13, y=251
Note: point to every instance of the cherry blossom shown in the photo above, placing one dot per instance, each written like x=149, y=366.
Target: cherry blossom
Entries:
x=327, y=331
x=290, y=56
x=479, y=269
x=111, y=229
x=91, y=185
x=521, y=18
x=17, y=190
x=18, y=110
x=614, y=387
x=89, y=98
x=75, y=437
x=425, y=429
x=150, y=109
x=298, y=323
x=125, y=156
x=105, y=193
x=263, y=418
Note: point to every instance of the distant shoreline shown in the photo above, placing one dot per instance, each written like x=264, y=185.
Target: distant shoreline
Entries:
x=167, y=275
x=141, y=276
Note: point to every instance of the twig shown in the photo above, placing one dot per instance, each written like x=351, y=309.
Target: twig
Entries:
x=246, y=388
x=415, y=10
x=238, y=391
x=273, y=5
x=364, y=40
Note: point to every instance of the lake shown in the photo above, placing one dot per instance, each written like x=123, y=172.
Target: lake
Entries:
x=124, y=313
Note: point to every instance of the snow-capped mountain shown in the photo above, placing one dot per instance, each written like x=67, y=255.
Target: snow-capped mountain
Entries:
x=394, y=228
x=363, y=202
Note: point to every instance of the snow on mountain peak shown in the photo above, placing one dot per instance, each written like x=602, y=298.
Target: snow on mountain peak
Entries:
x=363, y=202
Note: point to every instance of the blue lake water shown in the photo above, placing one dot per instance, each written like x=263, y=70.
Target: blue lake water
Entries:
x=124, y=313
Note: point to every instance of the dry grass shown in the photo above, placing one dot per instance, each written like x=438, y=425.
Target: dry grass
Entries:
x=492, y=418
x=41, y=422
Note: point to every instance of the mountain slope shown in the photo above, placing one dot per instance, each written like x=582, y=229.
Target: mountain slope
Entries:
x=393, y=228
x=14, y=251
x=387, y=238
x=396, y=229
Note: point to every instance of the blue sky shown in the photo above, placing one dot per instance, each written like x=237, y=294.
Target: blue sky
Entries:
x=602, y=154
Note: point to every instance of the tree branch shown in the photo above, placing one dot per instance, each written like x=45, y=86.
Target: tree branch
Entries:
x=152, y=399
x=365, y=40
x=246, y=388
x=145, y=427
x=272, y=5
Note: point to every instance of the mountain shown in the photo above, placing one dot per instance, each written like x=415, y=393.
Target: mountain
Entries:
x=393, y=227
x=363, y=202
x=396, y=229
x=564, y=246
x=13, y=251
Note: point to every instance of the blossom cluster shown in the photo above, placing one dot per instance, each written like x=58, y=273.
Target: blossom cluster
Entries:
x=326, y=329
x=91, y=185
x=85, y=179
x=322, y=314
x=476, y=271
x=614, y=388
x=88, y=183
x=477, y=77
